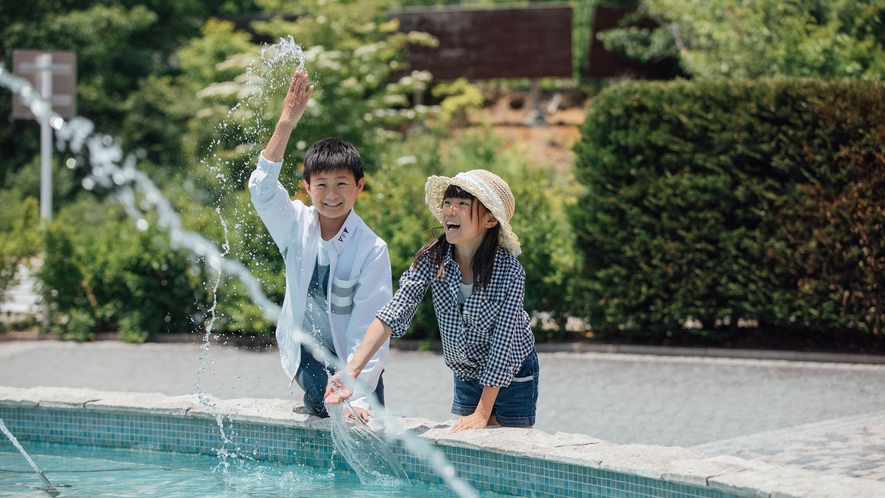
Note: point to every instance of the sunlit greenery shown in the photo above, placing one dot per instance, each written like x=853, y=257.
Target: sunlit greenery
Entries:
x=774, y=38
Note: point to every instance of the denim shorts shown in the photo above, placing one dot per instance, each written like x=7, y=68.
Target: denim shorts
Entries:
x=515, y=405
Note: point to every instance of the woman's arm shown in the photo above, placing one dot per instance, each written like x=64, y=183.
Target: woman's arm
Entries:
x=338, y=389
x=480, y=418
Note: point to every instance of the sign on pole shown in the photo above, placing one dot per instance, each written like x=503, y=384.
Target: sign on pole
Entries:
x=64, y=81
x=54, y=74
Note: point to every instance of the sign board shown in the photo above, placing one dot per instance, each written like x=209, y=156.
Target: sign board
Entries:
x=64, y=81
x=604, y=64
x=534, y=41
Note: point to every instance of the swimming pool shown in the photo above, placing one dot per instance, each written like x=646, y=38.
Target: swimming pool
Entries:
x=120, y=472
x=514, y=462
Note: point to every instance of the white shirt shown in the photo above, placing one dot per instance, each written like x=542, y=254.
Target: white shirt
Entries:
x=359, y=270
x=465, y=291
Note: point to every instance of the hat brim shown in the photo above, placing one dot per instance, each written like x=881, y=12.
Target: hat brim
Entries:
x=436, y=187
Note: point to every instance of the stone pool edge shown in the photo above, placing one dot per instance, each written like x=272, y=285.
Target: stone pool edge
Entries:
x=672, y=464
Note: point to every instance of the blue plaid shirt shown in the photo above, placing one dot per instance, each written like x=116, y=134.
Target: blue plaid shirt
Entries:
x=489, y=337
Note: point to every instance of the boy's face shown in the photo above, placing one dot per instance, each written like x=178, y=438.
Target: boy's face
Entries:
x=334, y=192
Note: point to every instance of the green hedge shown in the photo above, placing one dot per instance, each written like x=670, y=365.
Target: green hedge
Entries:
x=102, y=274
x=720, y=207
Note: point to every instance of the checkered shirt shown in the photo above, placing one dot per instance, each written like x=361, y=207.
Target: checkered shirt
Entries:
x=489, y=337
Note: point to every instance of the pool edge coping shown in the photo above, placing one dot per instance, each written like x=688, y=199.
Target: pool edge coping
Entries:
x=672, y=464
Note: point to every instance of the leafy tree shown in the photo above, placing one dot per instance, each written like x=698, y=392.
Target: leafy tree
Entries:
x=750, y=39
x=118, y=45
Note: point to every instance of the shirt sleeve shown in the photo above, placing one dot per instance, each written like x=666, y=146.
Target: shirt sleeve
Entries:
x=400, y=311
x=272, y=201
x=508, y=342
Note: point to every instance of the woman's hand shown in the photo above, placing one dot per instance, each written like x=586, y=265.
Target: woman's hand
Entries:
x=364, y=414
x=475, y=421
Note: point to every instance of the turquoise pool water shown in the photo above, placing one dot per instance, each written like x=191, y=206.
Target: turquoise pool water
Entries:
x=98, y=471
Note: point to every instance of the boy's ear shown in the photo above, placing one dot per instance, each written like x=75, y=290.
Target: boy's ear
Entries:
x=306, y=186
x=361, y=183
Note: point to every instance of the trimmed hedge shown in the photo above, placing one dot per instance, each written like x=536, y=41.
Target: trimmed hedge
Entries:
x=727, y=206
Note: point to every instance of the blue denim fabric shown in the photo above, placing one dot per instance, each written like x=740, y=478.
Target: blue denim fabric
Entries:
x=515, y=405
x=312, y=376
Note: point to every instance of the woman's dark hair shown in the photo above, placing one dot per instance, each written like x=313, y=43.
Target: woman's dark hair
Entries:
x=483, y=260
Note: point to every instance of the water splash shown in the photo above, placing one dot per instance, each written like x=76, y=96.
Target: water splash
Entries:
x=48, y=487
x=366, y=453
x=108, y=167
x=262, y=78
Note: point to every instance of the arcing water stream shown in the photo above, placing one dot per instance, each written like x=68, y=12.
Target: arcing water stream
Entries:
x=47, y=486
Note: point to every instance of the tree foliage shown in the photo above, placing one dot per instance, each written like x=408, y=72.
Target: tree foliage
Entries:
x=119, y=44
x=751, y=39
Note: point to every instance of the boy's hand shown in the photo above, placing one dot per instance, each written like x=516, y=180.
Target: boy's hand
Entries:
x=296, y=99
x=336, y=390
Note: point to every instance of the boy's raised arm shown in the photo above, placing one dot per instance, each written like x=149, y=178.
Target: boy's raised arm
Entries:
x=293, y=108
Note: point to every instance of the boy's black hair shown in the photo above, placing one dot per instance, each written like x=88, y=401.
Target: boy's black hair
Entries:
x=483, y=260
x=330, y=154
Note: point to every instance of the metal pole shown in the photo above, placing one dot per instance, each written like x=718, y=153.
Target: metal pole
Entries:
x=44, y=65
x=44, y=62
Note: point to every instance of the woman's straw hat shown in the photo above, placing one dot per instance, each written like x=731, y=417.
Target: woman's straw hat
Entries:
x=491, y=191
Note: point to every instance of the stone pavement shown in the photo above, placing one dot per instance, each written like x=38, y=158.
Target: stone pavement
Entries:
x=853, y=446
x=814, y=415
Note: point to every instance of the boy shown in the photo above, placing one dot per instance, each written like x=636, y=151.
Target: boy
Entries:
x=337, y=269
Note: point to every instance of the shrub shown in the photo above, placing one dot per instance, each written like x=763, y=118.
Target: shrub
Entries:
x=102, y=273
x=79, y=327
x=19, y=238
x=712, y=205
